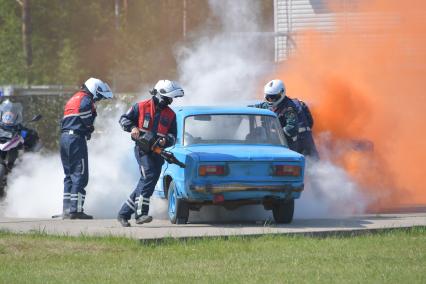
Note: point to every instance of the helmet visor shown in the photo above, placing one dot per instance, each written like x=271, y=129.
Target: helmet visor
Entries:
x=103, y=92
x=272, y=98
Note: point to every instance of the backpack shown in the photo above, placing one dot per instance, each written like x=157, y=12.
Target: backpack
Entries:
x=303, y=110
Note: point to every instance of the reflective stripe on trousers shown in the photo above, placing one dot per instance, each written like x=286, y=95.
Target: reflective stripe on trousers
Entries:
x=73, y=150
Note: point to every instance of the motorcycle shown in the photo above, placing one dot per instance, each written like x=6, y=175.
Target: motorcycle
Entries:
x=14, y=138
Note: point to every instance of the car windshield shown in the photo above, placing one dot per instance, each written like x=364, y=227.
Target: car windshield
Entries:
x=233, y=129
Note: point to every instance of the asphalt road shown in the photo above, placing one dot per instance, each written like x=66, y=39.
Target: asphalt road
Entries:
x=160, y=229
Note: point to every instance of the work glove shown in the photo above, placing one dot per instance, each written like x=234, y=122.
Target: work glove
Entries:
x=162, y=142
x=135, y=133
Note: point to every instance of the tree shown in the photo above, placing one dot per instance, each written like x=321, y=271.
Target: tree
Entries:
x=26, y=37
x=12, y=70
x=129, y=43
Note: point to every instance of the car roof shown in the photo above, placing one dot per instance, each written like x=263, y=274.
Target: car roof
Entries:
x=195, y=110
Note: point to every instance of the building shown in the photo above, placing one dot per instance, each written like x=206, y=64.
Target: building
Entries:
x=293, y=17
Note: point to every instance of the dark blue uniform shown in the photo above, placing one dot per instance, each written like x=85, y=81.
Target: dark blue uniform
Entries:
x=297, y=122
x=149, y=163
x=76, y=127
x=306, y=144
x=287, y=115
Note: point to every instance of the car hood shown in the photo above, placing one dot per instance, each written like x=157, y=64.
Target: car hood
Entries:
x=243, y=153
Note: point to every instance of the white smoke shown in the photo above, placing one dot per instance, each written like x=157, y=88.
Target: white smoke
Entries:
x=35, y=186
x=329, y=193
x=215, y=69
x=225, y=67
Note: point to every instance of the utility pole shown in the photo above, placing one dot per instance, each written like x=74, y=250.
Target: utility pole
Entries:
x=117, y=30
x=184, y=20
x=117, y=14
x=26, y=36
x=125, y=5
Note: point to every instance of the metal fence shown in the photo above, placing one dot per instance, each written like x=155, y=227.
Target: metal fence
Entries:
x=51, y=107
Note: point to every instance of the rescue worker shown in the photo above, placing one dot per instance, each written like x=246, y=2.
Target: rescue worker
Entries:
x=76, y=128
x=150, y=119
x=294, y=116
x=306, y=144
x=277, y=101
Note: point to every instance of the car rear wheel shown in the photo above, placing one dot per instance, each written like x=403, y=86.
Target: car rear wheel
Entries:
x=283, y=211
x=178, y=209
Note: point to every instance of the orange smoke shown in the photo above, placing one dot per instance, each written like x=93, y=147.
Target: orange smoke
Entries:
x=368, y=81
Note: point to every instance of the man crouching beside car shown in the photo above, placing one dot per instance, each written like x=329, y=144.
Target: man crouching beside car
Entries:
x=148, y=121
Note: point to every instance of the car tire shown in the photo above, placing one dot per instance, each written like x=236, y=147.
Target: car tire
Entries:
x=178, y=209
x=283, y=211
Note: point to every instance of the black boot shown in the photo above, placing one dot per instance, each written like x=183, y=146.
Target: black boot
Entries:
x=143, y=219
x=123, y=221
x=80, y=215
x=64, y=216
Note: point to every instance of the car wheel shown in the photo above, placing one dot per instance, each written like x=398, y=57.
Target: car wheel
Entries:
x=178, y=209
x=283, y=211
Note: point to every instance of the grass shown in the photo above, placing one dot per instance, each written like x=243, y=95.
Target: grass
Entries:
x=387, y=257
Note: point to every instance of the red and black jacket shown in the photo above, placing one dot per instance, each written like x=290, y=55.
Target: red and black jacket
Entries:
x=146, y=116
x=79, y=114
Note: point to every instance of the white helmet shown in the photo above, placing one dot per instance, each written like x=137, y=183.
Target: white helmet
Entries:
x=98, y=89
x=167, y=88
x=165, y=91
x=274, y=92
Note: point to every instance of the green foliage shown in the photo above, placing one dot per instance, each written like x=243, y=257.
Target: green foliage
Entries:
x=72, y=40
x=12, y=67
x=67, y=40
x=69, y=72
x=75, y=39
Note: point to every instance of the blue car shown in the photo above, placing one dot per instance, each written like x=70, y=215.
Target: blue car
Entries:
x=234, y=156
